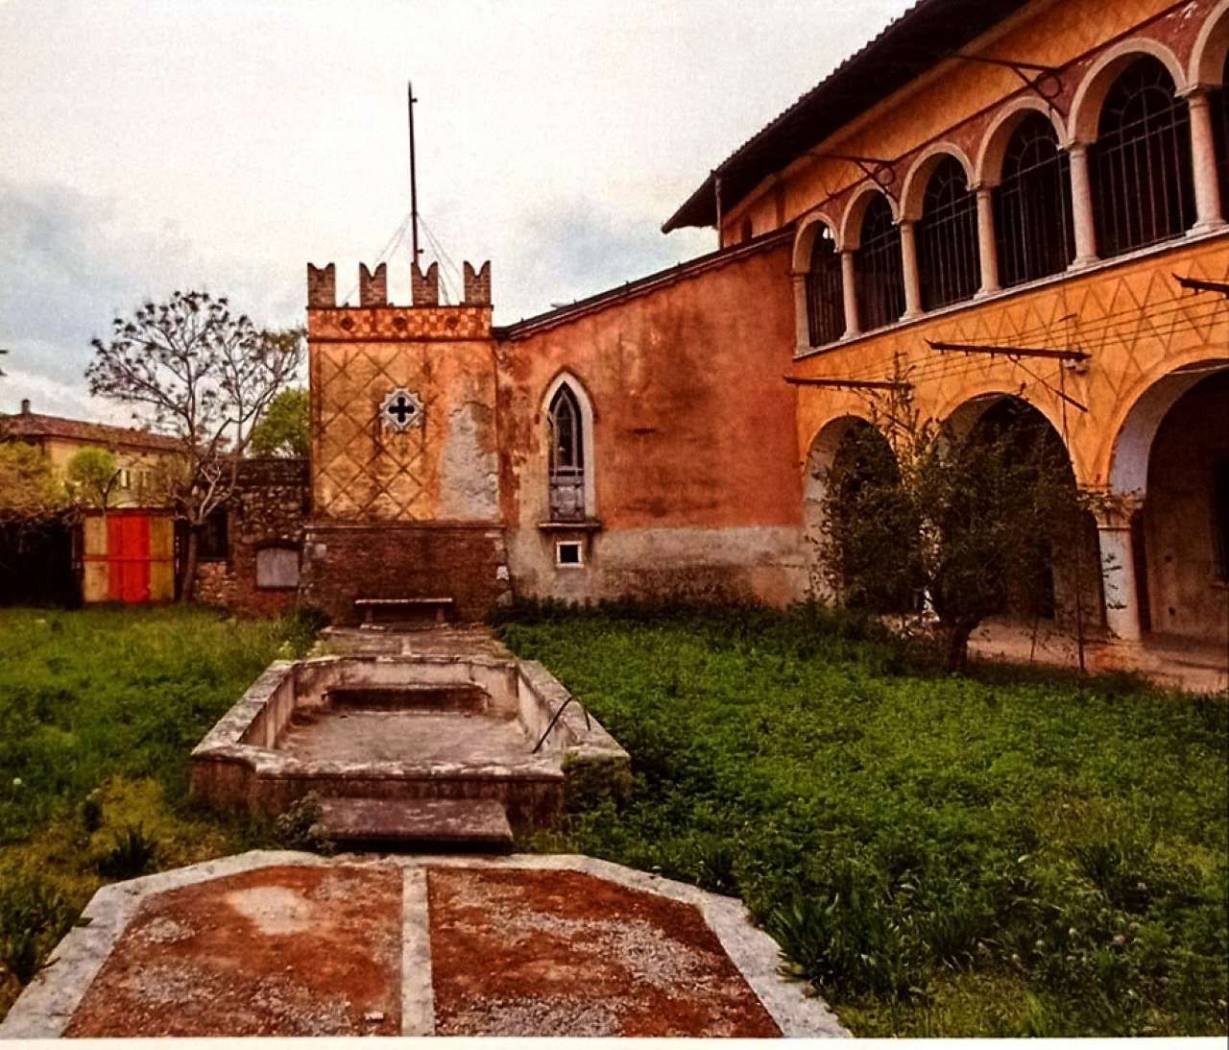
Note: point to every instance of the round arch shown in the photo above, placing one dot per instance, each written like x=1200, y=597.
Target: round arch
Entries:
x=988, y=169
x=1207, y=62
x=962, y=412
x=1090, y=95
x=849, y=237
x=1135, y=429
x=804, y=240
x=820, y=459
x=914, y=187
x=587, y=416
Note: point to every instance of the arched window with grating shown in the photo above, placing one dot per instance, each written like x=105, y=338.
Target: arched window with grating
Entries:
x=879, y=276
x=567, y=457
x=949, y=267
x=825, y=298
x=1032, y=205
x=1143, y=191
x=1220, y=134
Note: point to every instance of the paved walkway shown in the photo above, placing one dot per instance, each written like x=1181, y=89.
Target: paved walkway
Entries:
x=1198, y=667
x=291, y=944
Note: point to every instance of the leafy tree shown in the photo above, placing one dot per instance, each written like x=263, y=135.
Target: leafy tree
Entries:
x=206, y=376
x=29, y=491
x=93, y=474
x=918, y=520
x=284, y=429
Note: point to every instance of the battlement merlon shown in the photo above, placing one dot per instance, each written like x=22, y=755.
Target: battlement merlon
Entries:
x=375, y=319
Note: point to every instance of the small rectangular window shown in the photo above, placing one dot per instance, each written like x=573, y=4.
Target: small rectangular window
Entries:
x=569, y=554
x=125, y=478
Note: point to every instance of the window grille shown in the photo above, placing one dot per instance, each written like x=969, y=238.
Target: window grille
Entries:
x=949, y=266
x=1033, y=222
x=567, y=457
x=1143, y=191
x=825, y=296
x=213, y=543
x=1220, y=135
x=879, y=276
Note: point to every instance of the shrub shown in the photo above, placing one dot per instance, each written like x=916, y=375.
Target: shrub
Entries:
x=131, y=854
x=33, y=918
x=299, y=826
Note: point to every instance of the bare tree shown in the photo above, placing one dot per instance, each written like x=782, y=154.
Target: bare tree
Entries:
x=204, y=375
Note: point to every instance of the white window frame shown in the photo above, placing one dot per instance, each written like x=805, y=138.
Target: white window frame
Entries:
x=579, y=545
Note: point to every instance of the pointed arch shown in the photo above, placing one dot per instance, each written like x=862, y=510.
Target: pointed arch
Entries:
x=571, y=482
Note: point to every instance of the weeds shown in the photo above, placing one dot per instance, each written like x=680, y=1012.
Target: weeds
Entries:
x=1016, y=852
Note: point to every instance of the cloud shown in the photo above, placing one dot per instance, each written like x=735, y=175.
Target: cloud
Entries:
x=69, y=264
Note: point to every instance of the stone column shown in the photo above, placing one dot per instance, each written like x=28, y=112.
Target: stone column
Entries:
x=913, y=285
x=1118, y=574
x=802, y=327
x=987, y=244
x=1203, y=162
x=849, y=291
x=1081, y=206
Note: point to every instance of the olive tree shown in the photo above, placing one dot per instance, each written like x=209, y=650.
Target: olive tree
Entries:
x=193, y=369
x=922, y=521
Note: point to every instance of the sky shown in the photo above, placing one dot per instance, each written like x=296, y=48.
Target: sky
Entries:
x=222, y=144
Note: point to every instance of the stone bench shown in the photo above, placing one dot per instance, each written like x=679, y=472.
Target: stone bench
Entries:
x=370, y=606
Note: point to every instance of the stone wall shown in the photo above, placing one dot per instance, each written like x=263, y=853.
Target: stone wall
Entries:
x=268, y=509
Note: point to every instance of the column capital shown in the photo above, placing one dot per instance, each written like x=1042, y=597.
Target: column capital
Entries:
x=1196, y=94
x=1113, y=511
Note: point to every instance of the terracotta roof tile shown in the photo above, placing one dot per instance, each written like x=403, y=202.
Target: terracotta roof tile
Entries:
x=36, y=425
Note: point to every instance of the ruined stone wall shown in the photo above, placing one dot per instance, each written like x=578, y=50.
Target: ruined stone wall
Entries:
x=697, y=481
x=349, y=560
x=269, y=509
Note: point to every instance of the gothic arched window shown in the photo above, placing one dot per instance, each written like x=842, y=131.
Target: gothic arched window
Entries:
x=878, y=268
x=949, y=266
x=567, y=456
x=1143, y=189
x=825, y=298
x=1032, y=205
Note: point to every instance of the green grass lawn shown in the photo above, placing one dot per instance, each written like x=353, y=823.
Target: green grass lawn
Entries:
x=1012, y=853
x=98, y=712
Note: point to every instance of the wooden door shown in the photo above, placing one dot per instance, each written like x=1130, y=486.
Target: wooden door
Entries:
x=128, y=557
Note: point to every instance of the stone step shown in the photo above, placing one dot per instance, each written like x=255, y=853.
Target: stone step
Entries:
x=459, y=696
x=461, y=824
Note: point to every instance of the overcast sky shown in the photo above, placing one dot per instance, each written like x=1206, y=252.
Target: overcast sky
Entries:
x=221, y=145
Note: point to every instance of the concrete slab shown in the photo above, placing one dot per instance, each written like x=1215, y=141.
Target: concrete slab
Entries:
x=294, y=944
x=459, y=823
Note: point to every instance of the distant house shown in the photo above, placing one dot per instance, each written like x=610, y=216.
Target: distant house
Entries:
x=126, y=554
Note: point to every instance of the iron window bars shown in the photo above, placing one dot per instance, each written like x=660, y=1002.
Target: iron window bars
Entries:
x=825, y=293
x=1143, y=189
x=949, y=264
x=879, y=276
x=1034, y=228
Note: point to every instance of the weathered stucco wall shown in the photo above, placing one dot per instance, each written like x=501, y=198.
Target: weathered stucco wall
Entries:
x=697, y=479
x=442, y=468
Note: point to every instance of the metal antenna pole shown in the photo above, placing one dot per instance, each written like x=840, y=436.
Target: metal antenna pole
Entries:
x=409, y=90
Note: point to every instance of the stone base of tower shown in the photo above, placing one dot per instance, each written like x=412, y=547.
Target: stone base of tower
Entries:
x=344, y=562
